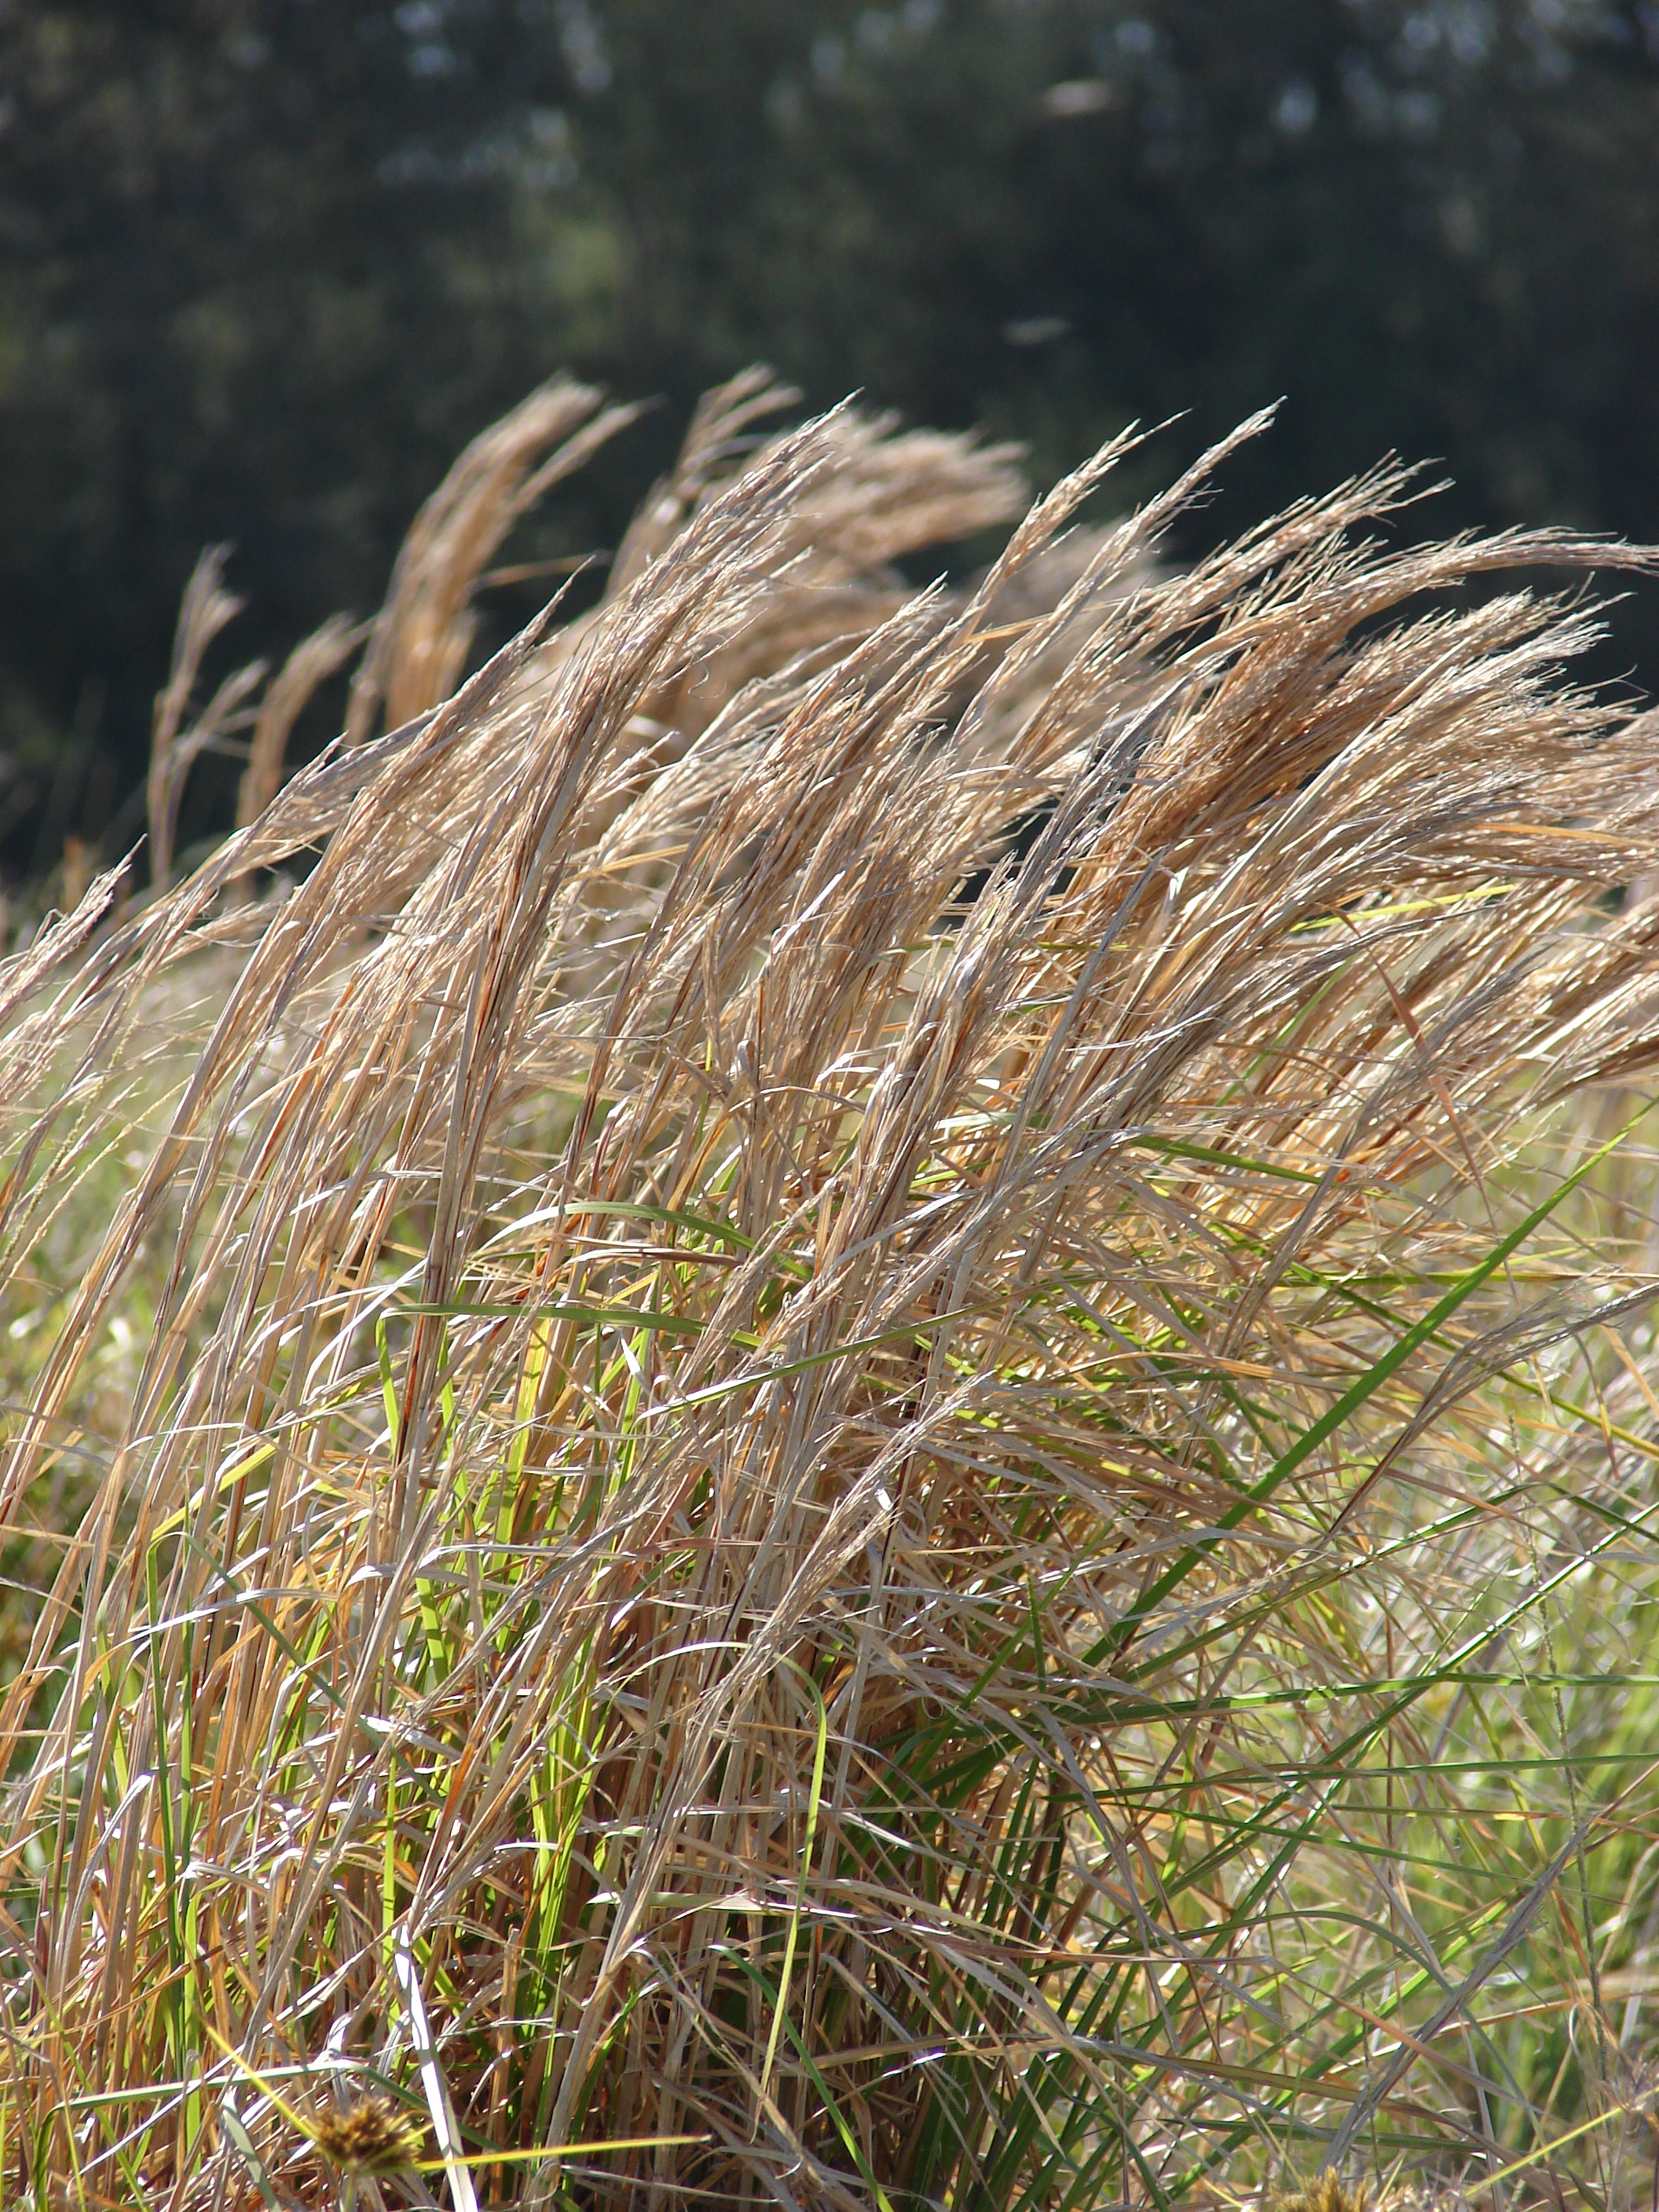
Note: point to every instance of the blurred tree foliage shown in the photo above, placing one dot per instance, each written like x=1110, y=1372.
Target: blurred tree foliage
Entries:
x=264, y=266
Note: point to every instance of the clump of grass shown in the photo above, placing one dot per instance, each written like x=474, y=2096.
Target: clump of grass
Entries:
x=783, y=1535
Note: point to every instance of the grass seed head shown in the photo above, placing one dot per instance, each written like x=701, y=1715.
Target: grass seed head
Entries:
x=372, y=2135
x=1325, y=2192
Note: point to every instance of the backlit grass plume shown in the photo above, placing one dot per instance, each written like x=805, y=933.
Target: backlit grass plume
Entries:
x=886, y=1405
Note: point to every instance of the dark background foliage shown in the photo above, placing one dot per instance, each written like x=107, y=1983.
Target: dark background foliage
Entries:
x=265, y=265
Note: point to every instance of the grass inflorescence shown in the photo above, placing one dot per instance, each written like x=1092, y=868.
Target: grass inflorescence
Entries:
x=864, y=1415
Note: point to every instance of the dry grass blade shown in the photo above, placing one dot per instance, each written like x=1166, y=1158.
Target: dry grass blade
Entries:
x=864, y=1399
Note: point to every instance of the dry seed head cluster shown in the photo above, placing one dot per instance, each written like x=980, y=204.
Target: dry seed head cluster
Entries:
x=371, y=2136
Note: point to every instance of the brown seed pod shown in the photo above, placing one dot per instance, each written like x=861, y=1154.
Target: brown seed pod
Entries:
x=372, y=2135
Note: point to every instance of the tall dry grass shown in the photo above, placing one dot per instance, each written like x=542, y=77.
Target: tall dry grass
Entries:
x=823, y=1505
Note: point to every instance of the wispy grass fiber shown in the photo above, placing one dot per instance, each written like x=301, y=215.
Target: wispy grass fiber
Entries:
x=890, y=1438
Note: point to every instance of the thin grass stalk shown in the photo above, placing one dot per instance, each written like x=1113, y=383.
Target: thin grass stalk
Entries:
x=205, y=609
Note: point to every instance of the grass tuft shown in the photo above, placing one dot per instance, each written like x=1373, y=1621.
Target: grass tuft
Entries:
x=867, y=1419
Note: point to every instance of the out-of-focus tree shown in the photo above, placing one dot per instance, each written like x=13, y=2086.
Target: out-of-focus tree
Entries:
x=265, y=264
x=264, y=267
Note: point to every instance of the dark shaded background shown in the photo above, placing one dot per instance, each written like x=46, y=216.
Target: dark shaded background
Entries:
x=266, y=264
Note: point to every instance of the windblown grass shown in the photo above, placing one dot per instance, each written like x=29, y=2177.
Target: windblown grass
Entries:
x=781, y=1535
